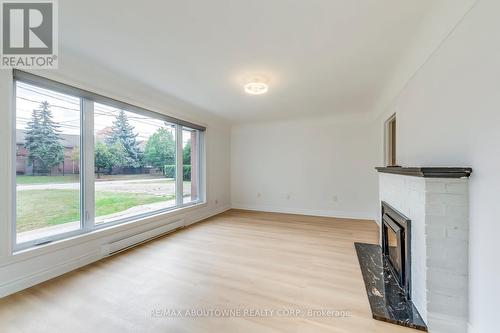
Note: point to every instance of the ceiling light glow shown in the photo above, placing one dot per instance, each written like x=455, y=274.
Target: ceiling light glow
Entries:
x=256, y=88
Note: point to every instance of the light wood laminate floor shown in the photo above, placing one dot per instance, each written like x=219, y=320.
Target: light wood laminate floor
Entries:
x=236, y=260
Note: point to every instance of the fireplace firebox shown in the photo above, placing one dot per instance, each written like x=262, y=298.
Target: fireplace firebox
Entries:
x=396, y=245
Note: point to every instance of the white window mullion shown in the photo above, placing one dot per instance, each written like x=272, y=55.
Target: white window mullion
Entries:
x=201, y=167
x=179, y=172
x=87, y=165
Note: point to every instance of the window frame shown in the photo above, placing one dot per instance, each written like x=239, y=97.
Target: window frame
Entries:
x=45, y=240
x=390, y=143
x=86, y=163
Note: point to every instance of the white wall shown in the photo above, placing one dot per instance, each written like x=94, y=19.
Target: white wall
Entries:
x=449, y=115
x=34, y=266
x=319, y=166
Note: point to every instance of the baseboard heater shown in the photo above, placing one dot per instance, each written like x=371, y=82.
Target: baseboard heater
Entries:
x=135, y=240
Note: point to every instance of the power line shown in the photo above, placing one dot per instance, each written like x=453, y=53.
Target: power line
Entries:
x=51, y=105
x=97, y=107
x=50, y=93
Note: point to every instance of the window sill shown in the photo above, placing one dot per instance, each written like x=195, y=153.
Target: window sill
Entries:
x=104, y=231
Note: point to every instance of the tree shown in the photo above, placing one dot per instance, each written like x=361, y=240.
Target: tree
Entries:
x=122, y=133
x=186, y=153
x=119, y=154
x=45, y=150
x=160, y=149
x=106, y=157
x=33, y=139
x=103, y=159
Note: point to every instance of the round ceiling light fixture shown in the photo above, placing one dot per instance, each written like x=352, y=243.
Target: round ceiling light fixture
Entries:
x=256, y=86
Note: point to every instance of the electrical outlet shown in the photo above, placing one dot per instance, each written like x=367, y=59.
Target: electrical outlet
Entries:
x=258, y=195
x=335, y=198
x=288, y=196
x=216, y=201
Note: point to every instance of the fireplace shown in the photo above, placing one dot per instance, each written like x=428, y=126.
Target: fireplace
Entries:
x=404, y=275
x=396, y=246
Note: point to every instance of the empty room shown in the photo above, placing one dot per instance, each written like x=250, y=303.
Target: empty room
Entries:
x=249, y=166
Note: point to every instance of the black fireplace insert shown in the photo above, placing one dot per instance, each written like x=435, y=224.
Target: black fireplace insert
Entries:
x=396, y=245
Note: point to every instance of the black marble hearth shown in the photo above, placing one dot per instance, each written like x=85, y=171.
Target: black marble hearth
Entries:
x=387, y=299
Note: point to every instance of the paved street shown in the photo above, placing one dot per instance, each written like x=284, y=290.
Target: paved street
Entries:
x=158, y=186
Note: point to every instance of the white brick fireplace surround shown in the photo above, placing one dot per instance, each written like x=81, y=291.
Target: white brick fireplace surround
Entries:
x=438, y=209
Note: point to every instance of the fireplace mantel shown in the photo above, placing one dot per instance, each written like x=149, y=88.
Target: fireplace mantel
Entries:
x=428, y=172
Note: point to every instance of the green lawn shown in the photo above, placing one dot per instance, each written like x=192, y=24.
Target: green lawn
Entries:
x=111, y=202
x=33, y=180
x=37, y=209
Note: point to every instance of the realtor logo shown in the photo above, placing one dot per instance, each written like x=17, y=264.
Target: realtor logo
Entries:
x=29, y=34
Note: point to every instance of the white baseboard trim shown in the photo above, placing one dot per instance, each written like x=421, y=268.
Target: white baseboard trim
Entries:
x=30, y=280
x=75, y=262
x=304, y=211
x=211, y=213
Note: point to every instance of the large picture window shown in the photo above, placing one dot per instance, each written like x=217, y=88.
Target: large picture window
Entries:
x=84, y=161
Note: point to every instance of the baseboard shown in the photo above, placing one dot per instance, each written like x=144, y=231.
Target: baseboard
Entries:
x=303, y=211
x=211, y=213
x=35, y=278
x=75, y=262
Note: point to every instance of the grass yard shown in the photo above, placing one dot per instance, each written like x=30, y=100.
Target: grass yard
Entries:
x=38, y=180
x=37, y=209
x=34, y=180
x=111, y=202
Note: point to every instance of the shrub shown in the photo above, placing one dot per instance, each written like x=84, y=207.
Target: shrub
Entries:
x=186, y=172
x=169, y=172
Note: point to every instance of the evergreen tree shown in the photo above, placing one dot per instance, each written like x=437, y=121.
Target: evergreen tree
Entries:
x=123, y=134
x=160, y=149
x=42, y=141
x=33, y=139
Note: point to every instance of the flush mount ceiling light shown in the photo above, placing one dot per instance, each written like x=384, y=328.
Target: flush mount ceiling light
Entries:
x=256, y=87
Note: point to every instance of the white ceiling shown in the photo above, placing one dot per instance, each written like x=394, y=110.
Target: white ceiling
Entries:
x=320, y=56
